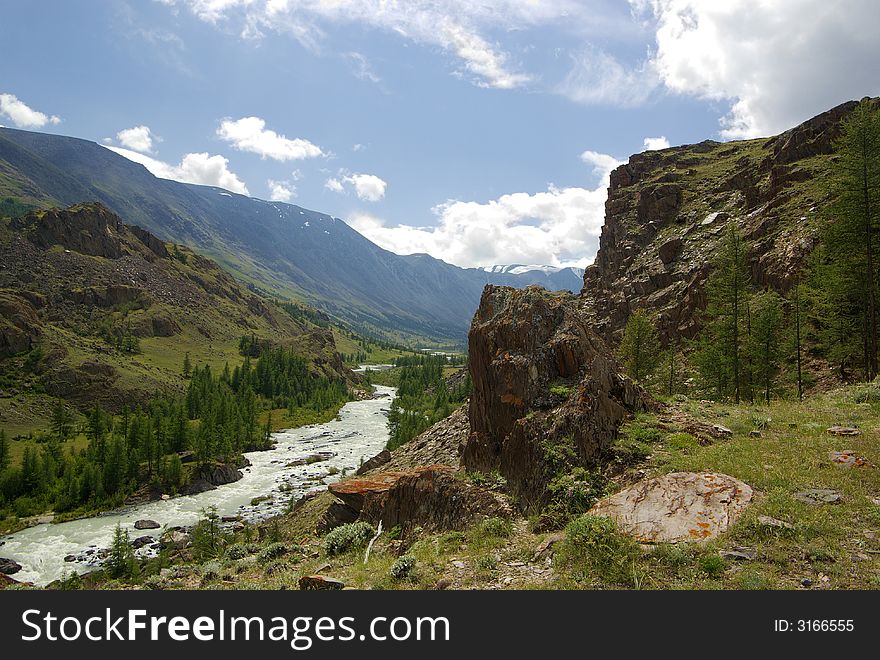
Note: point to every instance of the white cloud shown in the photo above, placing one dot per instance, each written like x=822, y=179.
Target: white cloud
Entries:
x=250, y=134
x=280, y=191
x=458, y=27
x=367, y=187
x=556, y=227
x=334, y=184
x=358, y=147
x=361, y=68
x=199, y=168
x=597, y=78
x=23, y=116
x=777, y=63
x=139, y=138
x=480, y=58
x=656, y=143
x=602, y=163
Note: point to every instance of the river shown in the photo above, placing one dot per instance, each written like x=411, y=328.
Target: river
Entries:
x=359, y=432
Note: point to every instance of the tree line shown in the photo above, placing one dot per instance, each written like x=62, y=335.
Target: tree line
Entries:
x=423, y=397
x=215, y=420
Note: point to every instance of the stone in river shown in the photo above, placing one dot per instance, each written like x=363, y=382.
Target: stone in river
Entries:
x=146, y=524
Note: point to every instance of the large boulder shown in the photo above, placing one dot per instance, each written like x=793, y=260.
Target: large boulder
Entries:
x=681, y=506
x=541, y=378
x=430, y=497
x=9, y=566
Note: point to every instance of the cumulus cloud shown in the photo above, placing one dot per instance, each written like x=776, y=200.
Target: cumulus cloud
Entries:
x=199, y=168
x=250, y=134
x=23, y=116
x=334, y=185
x=280, y=191
x=656, y=143
x=139, y=138
x=776, y=63
x=556, y=227
x=602, y=163
x=367, y=187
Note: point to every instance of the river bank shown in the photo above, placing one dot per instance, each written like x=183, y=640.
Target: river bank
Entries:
x=280, y=474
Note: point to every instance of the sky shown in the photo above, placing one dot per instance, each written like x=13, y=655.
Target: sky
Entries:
x=481, y=132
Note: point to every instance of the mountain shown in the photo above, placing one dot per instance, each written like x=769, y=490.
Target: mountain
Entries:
x=94, y=310
x=552, y=278
x=280, y=248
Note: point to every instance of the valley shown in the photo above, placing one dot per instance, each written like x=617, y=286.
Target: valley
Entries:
x=702, y=413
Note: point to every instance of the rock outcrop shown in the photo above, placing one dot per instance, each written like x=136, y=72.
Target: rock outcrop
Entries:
x=667, y=210
x=20, y=326
x=681, y=506
x=208, y=477
x=430, y=497
x=541, y=378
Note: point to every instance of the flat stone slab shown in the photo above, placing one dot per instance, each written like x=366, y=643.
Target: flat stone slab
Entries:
x=681, y=506
x=843, y=430
x=816, y=496
x=767, y=521
x=847, y=458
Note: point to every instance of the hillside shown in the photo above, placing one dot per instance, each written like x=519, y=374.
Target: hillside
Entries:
x=283, y=249
x=667, y=210
x=93, y=310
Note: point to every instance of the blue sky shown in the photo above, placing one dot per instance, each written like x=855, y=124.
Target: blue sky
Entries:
x=480, y=132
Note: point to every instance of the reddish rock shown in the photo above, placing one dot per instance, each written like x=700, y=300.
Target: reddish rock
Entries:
x=430, y=497
x=320, y=583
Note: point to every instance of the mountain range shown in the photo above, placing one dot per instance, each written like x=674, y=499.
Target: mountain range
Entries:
x=280, y=249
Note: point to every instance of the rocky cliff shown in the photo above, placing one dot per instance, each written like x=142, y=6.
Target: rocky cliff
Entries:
x=667, y=210
x=548, y=393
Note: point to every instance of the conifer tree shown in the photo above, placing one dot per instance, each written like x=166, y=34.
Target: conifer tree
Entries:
x=721, y=345
x=851, y=236
x=765, y=341
x=640, y=348
x=4, y=451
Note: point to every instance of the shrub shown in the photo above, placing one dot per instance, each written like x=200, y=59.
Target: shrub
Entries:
x=272, y=551
x=641, y=432
x=497, y=527
x=594, y=544
x=351, y=536
x=569, y=495
x=241, y=550
x=490, y=480
x=402, y=567
x=712, y=565
x=486, y=563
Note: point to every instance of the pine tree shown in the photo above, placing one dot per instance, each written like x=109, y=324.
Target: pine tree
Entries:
x=765, y=341
x=187, y=366
x=851, y=235
x=4, y=451
x=640, y=348
x=62, y=420
x=720, y=347
x=121, y=562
